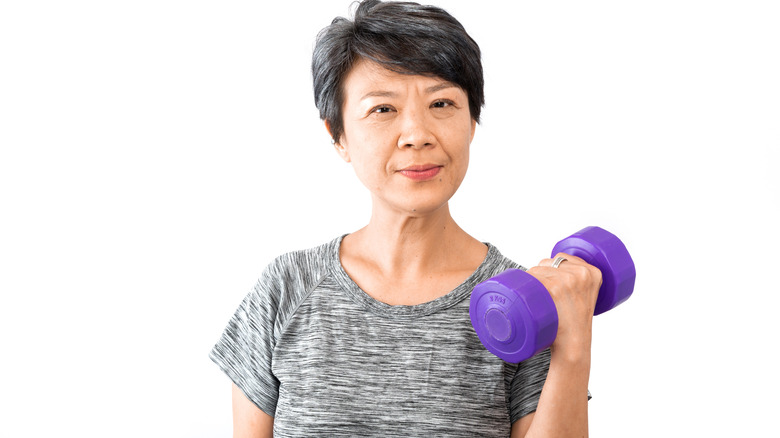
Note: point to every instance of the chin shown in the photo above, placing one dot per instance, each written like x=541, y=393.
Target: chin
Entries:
x=417, y=203
x=420, y=209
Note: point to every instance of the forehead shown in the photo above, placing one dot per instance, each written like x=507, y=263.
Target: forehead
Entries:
x=368, y=78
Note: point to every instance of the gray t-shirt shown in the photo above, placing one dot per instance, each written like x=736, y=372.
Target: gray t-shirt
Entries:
x=310, y=348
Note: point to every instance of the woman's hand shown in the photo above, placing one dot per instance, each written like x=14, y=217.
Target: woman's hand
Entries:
x=574, y=287
x=563, y=406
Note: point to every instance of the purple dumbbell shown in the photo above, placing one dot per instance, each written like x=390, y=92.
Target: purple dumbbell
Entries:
x=514, y=315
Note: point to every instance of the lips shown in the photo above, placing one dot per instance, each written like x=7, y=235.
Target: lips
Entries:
x=420, y=172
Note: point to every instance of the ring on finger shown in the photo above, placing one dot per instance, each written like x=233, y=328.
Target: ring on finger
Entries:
x=557, y=262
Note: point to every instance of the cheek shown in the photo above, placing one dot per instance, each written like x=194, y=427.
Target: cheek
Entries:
x=460, y=158
x=460, y=151
x=371, y=160
x=463, y=165
x=370, y=168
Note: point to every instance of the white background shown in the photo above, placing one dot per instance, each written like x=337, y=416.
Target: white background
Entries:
x=157, y=154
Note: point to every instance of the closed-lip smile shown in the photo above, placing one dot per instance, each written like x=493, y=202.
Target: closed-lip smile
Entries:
x=420, y=172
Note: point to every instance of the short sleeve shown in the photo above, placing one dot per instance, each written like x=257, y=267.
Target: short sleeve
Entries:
x=244, y=351
x=527, y=384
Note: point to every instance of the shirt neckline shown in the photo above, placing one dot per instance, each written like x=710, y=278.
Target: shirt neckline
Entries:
x=450, y=299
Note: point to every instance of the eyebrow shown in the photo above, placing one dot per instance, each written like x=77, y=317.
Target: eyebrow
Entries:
x=441, y=86
x=430, y=90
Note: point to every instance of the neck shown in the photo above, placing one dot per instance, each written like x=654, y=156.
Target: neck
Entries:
x=411, y=245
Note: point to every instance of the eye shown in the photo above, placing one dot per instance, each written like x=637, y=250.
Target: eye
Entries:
x=443, y=103
x=381, y=109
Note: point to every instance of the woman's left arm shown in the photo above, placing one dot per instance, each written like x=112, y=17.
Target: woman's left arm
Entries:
x=563, y=405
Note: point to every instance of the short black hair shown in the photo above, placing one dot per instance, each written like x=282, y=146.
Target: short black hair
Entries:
x=404, y=37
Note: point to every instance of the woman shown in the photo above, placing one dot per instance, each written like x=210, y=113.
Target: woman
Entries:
x=369, y=334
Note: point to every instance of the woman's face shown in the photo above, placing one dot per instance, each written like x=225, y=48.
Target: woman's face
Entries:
x=407, y=137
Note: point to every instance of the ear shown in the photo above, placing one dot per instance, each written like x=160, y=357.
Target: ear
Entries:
x=340, y=148
x=473, y=129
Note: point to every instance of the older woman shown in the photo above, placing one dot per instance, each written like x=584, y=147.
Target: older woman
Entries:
x=369, y=334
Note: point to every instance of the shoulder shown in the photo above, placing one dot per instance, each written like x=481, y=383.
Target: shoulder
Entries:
x=303, y=266
x=496, y=263
x=289, y=277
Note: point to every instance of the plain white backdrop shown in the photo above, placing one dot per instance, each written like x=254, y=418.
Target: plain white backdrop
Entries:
x=157, y=154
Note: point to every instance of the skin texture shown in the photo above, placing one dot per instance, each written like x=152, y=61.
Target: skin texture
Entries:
x=249, y=421
x=563, y=406
x=392, y=123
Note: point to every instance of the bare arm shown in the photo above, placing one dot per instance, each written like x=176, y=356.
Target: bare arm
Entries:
x=520, y=427
x=249, y=421
x=563, y=406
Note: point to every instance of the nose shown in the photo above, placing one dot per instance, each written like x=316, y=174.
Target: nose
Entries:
x=415, y=132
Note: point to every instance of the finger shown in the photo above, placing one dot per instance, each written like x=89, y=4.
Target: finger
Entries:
x=565, y=258
x=569, y=258
x=544, y=272
x=548, y=263
x=545, y=262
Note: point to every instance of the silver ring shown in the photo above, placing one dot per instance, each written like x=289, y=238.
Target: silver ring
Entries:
x=557, y=262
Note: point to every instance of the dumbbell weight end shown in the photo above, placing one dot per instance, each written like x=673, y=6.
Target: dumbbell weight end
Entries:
x=513, y=326
x=605, y=251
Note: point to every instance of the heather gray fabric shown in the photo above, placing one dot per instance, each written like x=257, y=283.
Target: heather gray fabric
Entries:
x=310, y=348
